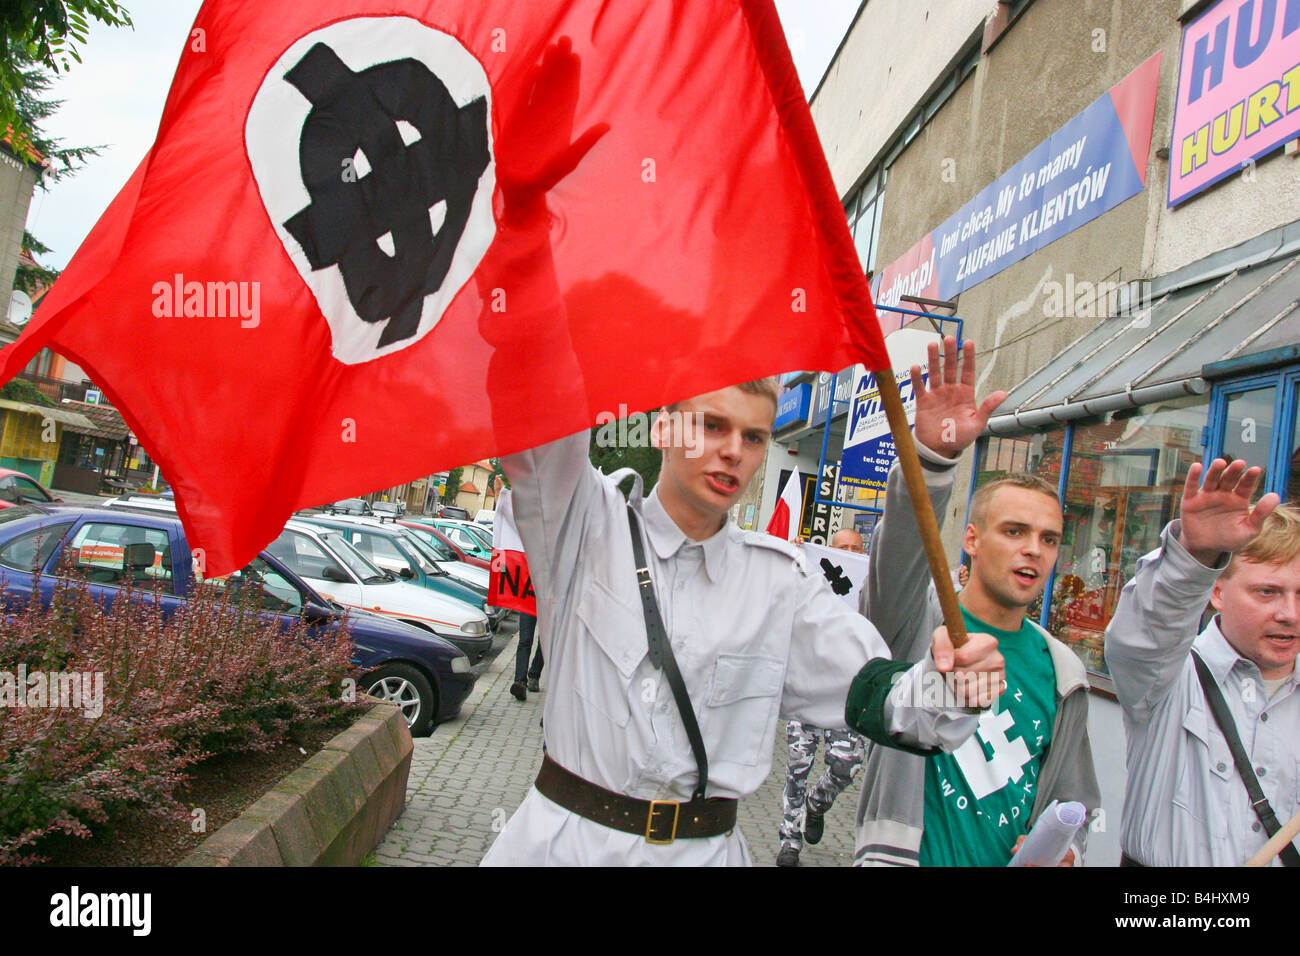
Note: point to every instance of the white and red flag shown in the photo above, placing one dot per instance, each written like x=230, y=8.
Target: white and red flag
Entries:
x=378, y=238
x=509, y=583
x=784, y=522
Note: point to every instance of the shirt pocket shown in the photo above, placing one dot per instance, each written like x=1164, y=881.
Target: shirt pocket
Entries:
x=741, y=706
x=616, y=645
x=1204, y=786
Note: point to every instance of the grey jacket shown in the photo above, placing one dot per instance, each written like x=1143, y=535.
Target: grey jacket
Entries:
x=1185, y=803
x=901, y=601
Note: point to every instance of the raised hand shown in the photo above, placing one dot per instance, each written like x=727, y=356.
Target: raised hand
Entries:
x=947, y=418
x=534, y=151
x=1216, y=514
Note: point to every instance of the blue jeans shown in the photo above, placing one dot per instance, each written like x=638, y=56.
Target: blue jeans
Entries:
x=527, y=626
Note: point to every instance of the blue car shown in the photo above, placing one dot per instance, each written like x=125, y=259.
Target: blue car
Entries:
x=425, y=675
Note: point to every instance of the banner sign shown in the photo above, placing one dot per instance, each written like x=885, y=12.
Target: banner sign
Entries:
x=819, y=531
x=1086, y=168
x=844, y=571
x=1238, y=91
x=868, y=444
x=793, y=406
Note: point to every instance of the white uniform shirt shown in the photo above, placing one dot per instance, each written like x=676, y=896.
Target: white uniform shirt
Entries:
x=753, y=633
x=1185, y=803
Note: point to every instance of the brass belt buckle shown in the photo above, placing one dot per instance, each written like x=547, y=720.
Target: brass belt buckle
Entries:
x=656, y=807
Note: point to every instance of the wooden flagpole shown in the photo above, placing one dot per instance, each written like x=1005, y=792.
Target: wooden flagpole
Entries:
x=1277, y=843
x=921, y=507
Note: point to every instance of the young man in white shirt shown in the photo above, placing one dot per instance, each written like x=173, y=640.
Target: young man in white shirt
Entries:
x=1186, y=802
x=754, y=634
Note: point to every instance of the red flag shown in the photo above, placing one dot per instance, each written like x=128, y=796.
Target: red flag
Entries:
x=784, y=522
x=509, y=583
x=368, y=245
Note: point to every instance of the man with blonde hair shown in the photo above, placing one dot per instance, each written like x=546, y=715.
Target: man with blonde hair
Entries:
x=674, y=639
x=1212, y=719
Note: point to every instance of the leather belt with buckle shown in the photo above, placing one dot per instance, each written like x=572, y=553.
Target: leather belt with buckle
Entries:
x=658, y=821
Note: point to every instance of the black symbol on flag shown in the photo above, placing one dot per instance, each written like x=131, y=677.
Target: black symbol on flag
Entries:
x=840, y=584
x=411, y=182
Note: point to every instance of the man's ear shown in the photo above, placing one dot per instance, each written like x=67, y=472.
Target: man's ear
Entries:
x=971, y=541
x=1216, y=596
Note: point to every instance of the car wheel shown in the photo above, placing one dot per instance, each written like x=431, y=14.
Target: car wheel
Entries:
x=410, y=690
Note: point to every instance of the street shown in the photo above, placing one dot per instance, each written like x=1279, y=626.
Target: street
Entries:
x=473, y=771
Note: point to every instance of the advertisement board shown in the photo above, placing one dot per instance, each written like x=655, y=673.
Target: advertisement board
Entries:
x=1238, y=93
x=1086, y=168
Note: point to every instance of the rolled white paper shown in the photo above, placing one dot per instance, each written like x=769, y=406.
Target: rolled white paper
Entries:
x=1049, y=840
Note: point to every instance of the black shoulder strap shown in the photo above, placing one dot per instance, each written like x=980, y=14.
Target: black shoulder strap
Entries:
x=1223, y=717
x=661, y=655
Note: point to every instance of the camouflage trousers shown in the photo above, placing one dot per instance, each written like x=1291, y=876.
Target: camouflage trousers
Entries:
x=844, y=754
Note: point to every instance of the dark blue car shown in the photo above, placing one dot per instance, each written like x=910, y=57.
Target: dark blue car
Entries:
x=425, y=675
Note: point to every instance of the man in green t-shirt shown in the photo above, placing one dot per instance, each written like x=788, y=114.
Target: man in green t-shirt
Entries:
x=973, y=806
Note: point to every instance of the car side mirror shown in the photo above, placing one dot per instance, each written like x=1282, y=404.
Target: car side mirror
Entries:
x=407, y=573
x=334, y=574
x=314, y=613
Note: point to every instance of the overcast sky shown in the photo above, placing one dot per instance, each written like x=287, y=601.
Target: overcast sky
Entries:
x=115, y=97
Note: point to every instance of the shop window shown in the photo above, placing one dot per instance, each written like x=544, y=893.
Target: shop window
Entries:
x=1256, y=418
x=1124, y=484
x=1039, y=453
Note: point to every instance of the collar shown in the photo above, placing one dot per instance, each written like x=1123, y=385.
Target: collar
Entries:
x=1221, y=657
x=667, y=539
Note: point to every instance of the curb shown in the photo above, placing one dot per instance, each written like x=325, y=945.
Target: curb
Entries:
x=332, y=810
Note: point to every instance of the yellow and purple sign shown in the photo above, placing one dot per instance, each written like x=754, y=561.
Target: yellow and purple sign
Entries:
x=1238, y=91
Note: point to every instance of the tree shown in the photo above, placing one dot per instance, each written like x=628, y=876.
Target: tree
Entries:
x=33, y=108
x=21, y=390
x=32, y=278
x=453, y=484
x=608, y=457
x=45, y=34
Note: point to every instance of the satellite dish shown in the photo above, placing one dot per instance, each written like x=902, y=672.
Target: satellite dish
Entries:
x=20, y=307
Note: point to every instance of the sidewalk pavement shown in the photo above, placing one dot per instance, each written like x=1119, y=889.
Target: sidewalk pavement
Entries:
x=472, y=772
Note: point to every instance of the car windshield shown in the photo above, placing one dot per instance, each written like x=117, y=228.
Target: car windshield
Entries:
x=432, y=544
x=18, y=513
x=466, y=540
x=415, y=552
x=431, y=550
x=482, y=532
x=357, y=564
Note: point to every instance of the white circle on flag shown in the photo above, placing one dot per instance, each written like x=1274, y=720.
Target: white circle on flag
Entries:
x=273, y=138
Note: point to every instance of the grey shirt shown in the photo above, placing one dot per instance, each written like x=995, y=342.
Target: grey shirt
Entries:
x=1185, y=804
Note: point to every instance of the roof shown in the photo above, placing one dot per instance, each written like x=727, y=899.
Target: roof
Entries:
x=105, y=421
x=70, y=419
x=470, y=488
x=1161, y=351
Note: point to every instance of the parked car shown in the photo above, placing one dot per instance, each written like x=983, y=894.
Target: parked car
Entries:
x=426, y=675
x=350, y=506
x=357, y=582
x=485, y=517
x=17, y=488
x=483, y=534
x=388, y=508
x=453, y=511
x=447, y=549
x=324, y=559
x=393, y=547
